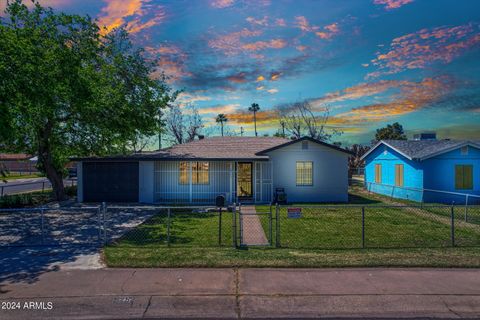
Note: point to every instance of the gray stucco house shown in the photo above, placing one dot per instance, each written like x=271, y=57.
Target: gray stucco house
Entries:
x=243, y=169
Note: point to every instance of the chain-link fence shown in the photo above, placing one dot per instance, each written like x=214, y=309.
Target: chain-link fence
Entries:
x=314, y=227
x=171, y=226
x=337, y=227
x=50, y=226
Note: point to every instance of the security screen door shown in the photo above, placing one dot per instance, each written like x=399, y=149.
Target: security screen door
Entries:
x=244, y=180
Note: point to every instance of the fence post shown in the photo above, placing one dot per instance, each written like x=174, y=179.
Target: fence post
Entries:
x=168, y=226
x=452, y=225
x=240, y=221
x=104, y=210
x=99, y=218
x=277, y=226
x=466, y=208
x=234, y=225
x=270, y=226
x=363, y=227
x=220, y=226
x=43, y=226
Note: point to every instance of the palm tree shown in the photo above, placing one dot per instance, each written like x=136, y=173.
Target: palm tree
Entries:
x=221, y=118
x=254, y=108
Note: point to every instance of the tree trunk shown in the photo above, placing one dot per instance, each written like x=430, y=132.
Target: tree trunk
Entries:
x=255, y=122
x=222, y=129
x=45, y=158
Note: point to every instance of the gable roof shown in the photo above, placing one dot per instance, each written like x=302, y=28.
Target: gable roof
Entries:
x=304, y=139
x=214, y=148
x=423, y=149
x=14, y=156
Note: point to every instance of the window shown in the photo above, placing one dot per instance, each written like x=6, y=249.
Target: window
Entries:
x=378, y=173
x=304, y=173
x=199, y=172
x=399, y=175
x=183, y=172
x=464, y=151
x=463, y=177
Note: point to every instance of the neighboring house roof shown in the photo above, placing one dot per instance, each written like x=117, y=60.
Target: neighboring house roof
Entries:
x=423, y=149
x=216, y=148
x=14, y=156
x=303, y=139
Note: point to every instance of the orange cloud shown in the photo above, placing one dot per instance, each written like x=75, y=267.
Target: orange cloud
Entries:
x=425, y=47
x=260, y=78
x=272, y=91
x=225, y=109
x=238, y=78
x=303, y=24
x=115, y=13
x=280, y=22
x=245, y=117
x=260, y=22
x=220, y=4
x=231, y=43
x=274, y=76
x=392, y=4
x=262, y=45
x=412, y=97
x=330, y=31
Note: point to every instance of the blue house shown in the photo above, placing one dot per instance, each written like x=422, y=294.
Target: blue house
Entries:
x=435, y=171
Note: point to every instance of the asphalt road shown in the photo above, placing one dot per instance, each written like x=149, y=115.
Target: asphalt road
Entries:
x=245, y=294
x=27, y=185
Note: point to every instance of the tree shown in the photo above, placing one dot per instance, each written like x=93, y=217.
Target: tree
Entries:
x=299, y=119
x=390, y=132
x=180, y=127
x=354, y=162
x=254, y=108
x=66, y=91
x=221, y=118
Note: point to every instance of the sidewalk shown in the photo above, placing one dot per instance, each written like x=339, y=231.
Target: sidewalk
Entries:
x=248, y=293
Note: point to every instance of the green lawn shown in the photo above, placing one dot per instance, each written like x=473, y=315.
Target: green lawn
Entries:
x=325, y=236
x=187, y=228
x=16, y=176
x=267, y=257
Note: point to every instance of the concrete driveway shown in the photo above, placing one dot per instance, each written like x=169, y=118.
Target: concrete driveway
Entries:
x=248, y=294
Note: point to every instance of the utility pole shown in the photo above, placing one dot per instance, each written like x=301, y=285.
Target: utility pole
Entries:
x=241, y=131
x=282, y=123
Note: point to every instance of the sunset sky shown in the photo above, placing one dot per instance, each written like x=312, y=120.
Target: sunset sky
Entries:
x=372, y=62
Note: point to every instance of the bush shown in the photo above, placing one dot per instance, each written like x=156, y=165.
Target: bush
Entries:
x=71, y=191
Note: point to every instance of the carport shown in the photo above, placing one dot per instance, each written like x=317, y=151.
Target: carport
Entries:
x=109, y=181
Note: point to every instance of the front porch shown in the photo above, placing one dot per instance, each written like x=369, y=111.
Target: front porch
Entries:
x=200, y=182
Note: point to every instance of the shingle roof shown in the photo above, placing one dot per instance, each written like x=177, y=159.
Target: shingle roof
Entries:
x=422, y=149
x=218, y=148
x=215, y=148
x=14, y=156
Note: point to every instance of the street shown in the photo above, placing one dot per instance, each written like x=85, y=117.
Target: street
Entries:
x=27, y=185
x=245, y=293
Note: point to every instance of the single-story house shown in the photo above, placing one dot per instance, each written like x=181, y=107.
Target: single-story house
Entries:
x=436, y=171
x=245, y=169
x=18, y=162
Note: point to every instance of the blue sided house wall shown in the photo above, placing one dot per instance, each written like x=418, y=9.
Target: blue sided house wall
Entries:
x=439, y=174
x=388, y=158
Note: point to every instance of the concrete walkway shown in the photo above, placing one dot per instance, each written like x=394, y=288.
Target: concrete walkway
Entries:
x=247, y=293
x=253, y=233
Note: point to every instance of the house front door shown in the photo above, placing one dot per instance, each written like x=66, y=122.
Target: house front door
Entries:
x=245, y=180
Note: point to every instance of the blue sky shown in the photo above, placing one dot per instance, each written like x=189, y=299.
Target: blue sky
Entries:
x=372, y=62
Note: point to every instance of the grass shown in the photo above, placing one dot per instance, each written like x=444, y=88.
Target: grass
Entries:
x=187, y=228
x=268, y=257
x=16, y=176
x=326, y=236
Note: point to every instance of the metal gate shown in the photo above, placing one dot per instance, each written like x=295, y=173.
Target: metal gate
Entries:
x=255, y=228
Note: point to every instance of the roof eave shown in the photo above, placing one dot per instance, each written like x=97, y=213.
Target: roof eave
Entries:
x=263, y=152
x=388, y=145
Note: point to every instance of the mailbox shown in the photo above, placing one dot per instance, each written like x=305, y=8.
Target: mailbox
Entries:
x=220, y=201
